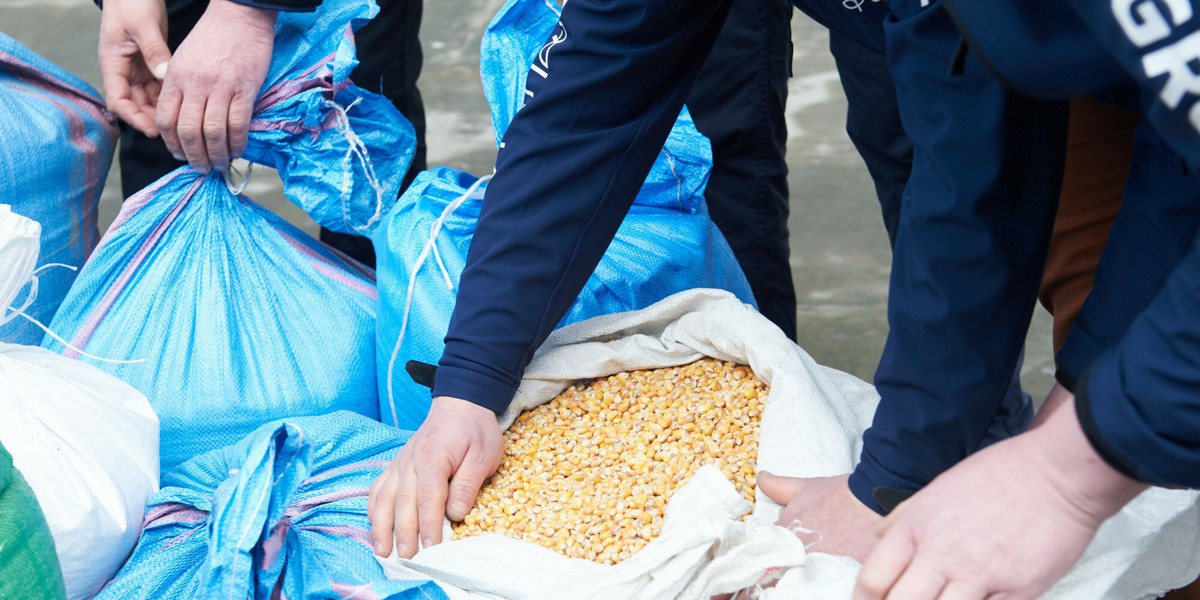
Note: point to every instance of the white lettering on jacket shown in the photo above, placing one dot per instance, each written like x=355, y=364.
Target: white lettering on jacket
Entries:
x=1145, y=24
x=1143, y=21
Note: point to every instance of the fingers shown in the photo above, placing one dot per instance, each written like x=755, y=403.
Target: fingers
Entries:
x=404, y=511
x=130, y=112
x=957, y=590
x=190, y=132
x=919, y=581
x=778, y=488
x=122, y=98
x=883, y=567
x=465, y=486
x=153, y=46
x=432, y=483
x=215, y=128
x=167, y=118
x=380, y=513
x=241, y=108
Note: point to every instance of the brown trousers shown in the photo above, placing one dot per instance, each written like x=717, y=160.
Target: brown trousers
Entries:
x=1099, y=156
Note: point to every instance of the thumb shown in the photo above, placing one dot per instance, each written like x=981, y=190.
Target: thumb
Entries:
x=153, y=45
x=778, y=488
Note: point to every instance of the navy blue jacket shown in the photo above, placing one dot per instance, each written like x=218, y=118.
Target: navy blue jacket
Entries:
x=1133, y=354
x=974, y=228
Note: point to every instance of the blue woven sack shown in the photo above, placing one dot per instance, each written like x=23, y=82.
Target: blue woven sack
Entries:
x=236, y=317
x=342, y=152
x=58, y=145
x=232, y=317
x=666, y=244
x=280, y=514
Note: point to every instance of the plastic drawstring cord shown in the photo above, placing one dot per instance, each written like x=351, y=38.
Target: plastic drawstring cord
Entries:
x=33, y=292
x=429, y=248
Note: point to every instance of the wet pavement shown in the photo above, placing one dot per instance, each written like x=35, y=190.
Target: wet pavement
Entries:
x=840, y=256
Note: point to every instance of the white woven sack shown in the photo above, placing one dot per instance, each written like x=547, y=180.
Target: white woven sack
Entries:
x=812, y=426
x=86, y=442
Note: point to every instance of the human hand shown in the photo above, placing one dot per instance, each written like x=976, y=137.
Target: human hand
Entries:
x=841, y=524
x=214, y=78
x=437, y=473
x=133, y=58
x=1007, y=522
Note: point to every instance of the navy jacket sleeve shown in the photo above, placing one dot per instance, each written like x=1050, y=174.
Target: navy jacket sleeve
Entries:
x=1153, y=232
x=975, y=224
x=284, y=5
x=601, y=99
x=1137, y=402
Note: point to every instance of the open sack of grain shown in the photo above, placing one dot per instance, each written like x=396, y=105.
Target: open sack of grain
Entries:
x=812, y=421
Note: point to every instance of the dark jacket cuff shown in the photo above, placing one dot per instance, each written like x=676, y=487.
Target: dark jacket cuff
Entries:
x=457, y=381
x=1091, y=430
x=282, y=5
x=878, y=489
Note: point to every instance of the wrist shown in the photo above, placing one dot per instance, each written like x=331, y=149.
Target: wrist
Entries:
x=1077, y=470
x=461, y=406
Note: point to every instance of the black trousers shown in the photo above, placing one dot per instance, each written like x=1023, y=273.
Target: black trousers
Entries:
x=738, y=101
x=389, y=52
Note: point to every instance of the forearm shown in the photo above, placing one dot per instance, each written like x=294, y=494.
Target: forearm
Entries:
x=571, y=164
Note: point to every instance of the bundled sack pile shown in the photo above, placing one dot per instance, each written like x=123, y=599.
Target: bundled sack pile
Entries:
x=58, y=145
x=812, y=424
x=280, y=514
x=86, y=442
x=666, y=244
x=238, y=317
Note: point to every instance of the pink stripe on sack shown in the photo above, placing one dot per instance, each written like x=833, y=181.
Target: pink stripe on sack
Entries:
x=84, y=99
x=81, y=101
x=288, y=126
x=287, y=89
x=273, y=545
x=179, y=539
x=329, y=269
x=358, y=466
x=355, y=591
x=82, y=143
x=316, y=501
x=165, y=514
x=346, y=532
x=89, y=327
x=362, y=269
x=138, y=201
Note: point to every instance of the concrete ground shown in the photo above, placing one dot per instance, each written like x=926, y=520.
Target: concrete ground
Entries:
x=840, y=256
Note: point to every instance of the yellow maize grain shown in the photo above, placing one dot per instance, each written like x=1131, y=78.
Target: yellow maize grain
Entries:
x=589, y=473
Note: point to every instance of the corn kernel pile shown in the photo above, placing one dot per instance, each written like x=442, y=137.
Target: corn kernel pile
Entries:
x=589, y=473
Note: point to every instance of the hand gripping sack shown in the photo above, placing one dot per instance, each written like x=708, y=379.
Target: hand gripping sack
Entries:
x=666, y=244
x=341, y=151
x=241, y=318
x=86, y=442
x=28, y=567
x=812, y=426
x=280, y=514
x=58, y=144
